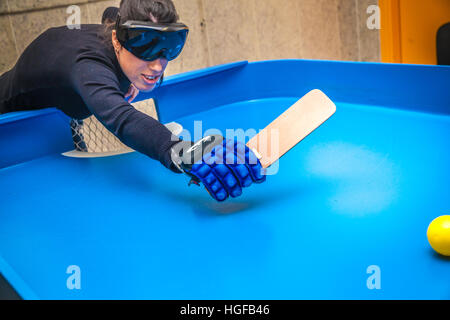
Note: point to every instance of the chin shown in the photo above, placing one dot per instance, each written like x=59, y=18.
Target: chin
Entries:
x=146, y=88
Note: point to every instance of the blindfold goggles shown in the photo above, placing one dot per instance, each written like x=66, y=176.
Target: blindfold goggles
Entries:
x=149, y=41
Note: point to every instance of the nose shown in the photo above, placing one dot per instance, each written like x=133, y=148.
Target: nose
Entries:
x=158, y=65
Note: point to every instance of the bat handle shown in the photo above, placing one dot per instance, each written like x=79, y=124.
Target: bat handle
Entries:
x=257, y=154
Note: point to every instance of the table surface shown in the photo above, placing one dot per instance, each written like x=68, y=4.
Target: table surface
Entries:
x=358, y=192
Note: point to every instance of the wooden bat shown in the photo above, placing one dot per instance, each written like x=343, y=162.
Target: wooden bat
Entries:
x=281, y=135
x=291, y=127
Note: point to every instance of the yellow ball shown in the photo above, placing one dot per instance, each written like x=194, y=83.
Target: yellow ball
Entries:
x=438, y=234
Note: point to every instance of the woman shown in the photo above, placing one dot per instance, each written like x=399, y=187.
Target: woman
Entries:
x=98, y=72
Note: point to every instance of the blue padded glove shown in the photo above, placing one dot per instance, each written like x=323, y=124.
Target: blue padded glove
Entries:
x=223, y=166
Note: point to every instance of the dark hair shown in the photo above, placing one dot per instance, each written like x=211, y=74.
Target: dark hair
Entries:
x=142, y=10
x=110, y=15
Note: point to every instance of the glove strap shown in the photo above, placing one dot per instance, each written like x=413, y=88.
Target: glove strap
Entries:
x=186, y=153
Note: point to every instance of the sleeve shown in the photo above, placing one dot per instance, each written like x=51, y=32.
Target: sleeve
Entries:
x=99, y=88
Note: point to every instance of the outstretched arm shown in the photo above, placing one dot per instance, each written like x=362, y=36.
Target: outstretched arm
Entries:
x=100, y=90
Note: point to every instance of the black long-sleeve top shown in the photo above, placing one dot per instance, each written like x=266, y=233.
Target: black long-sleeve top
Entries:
x=78, y=73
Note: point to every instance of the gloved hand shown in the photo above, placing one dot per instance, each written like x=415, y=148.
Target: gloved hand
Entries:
x=223, y=166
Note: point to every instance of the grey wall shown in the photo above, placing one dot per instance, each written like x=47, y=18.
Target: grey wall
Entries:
x=221, y=30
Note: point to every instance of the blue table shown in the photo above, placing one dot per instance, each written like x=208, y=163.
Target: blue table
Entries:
x=349, y=203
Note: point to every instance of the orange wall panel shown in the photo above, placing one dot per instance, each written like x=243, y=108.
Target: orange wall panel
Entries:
x=409, y=27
